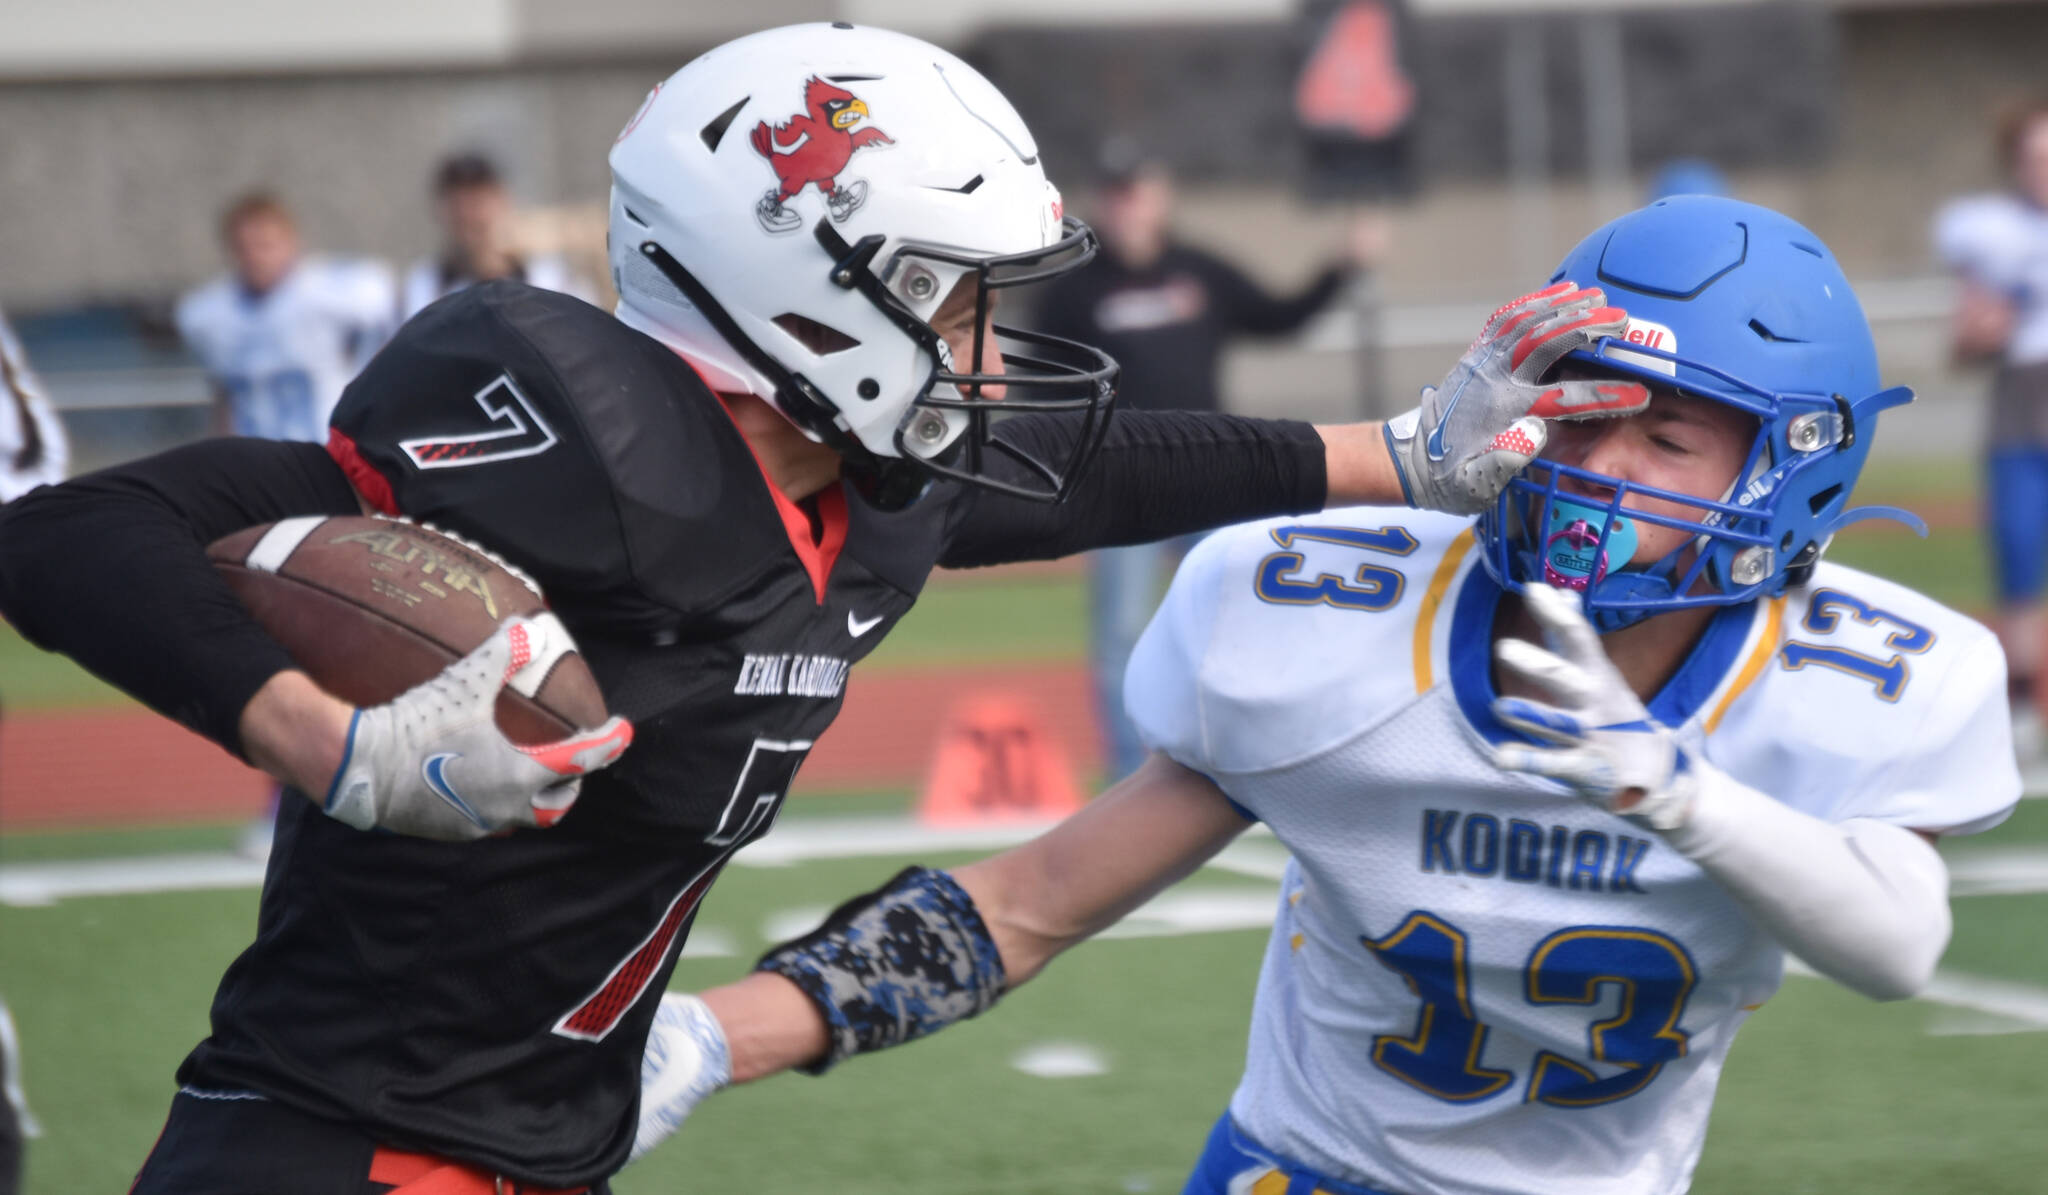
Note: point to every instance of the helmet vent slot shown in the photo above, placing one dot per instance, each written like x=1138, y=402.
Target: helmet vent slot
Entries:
x=715, y=131
x=633, y=216
x=1803, y=247
x=1764, y=333
x=822, y=339
x=1824, y=499
x=851, y=78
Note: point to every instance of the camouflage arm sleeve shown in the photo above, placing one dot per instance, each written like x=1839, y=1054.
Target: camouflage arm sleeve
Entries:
x=892, y=965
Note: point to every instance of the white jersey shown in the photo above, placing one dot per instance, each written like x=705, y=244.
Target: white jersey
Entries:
x=283, y=357
x=2001, y=242
x=26, y=418
x=1477, y=982
x=431, y=279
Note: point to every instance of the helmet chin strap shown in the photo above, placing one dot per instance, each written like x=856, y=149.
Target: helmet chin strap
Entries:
x=885, y=484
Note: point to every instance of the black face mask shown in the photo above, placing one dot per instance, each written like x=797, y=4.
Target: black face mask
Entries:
x=1041, y=373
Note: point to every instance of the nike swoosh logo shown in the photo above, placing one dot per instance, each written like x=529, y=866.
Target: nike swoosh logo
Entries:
x=792, y=147
x=435, y=772
x=1435, y=444
x=857, y=627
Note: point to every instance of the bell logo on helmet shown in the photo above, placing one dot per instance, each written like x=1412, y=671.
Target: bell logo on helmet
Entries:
x=812, y=148
x=1651, y=335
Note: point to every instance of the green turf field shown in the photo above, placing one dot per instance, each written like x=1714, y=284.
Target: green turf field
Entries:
x=1826, y=1092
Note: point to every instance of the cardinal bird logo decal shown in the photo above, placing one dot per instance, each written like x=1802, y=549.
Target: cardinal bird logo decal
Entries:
x=812, y=147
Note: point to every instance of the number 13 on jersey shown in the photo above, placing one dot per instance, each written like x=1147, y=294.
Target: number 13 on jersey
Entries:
x=1443, y=1056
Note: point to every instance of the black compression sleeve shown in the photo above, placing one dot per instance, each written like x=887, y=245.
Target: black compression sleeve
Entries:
x=1159, y=474
x=111, y=570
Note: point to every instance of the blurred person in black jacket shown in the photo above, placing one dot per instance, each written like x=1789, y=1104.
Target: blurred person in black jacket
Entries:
x=1165, y=311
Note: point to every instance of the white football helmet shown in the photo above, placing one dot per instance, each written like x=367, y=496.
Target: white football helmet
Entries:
x=790, y=209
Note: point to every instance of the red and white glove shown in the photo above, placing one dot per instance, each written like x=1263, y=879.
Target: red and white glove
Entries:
x=432, y=762
x=1485, y=423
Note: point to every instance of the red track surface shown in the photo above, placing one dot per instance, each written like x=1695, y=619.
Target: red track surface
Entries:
x=90, y=768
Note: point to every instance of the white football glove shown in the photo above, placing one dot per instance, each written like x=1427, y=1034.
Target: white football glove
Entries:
x=1485, y=423
x=432, y=762
x=687, y=1059
x=1607, y=747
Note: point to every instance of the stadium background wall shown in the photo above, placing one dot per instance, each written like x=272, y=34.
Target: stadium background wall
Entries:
x=112, y=180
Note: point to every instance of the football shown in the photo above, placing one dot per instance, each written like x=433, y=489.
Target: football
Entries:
x=370, y=607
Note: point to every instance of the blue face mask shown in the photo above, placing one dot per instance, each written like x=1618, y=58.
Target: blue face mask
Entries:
x=1573, y=555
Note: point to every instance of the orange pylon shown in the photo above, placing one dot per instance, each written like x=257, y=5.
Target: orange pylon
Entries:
x=997, y=762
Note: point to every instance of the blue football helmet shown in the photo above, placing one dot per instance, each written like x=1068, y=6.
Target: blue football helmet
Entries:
x=1737, y=304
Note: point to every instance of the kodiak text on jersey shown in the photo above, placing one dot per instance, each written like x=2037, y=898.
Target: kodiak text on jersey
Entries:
x=1523, y=852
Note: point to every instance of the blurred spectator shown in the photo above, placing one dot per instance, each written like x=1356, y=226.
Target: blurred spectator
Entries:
x=478, y=241
x=1687, y=176
x=281, y=333
x=15, y=1122
x=33, y=448
x=1165, y=311
x=33, y=452
x=1998, y=246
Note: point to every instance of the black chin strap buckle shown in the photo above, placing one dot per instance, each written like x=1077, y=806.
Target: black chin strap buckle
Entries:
x=849, y=262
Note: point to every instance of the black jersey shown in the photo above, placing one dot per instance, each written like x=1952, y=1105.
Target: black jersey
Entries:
x=489, y=1001
x=485, y=1000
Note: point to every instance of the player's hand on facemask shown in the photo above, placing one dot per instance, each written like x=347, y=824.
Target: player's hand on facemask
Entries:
x=1485, y=422
x=1605, y=744
x=687, y=1059
x=432, y=762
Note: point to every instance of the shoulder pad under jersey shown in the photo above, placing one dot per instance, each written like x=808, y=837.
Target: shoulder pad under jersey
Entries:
x=543, y=428
x=1878, y=702
x=1282, y=638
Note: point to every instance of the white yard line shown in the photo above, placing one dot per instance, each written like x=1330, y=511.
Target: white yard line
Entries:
x=1990, y=871
x=1989, y=1005
x=1998, y=871
x=2002, y=1005
x=800, y=839
x=794, y=841
x=797, y=840
x=29, y=884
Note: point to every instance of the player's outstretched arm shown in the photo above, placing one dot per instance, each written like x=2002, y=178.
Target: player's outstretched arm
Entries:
x=930, y=948
x=1161, y=474
x=1084, y=875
